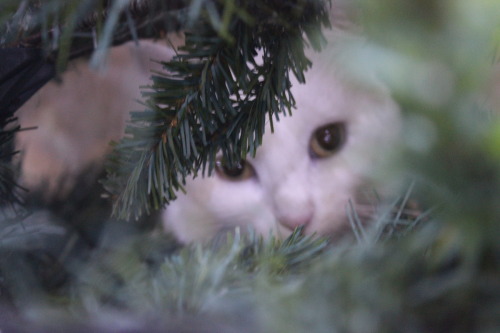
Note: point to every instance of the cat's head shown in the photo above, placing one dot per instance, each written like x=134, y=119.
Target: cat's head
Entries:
x=305, y=172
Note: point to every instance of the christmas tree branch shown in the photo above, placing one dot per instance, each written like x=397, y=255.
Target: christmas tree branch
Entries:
x=214, y=98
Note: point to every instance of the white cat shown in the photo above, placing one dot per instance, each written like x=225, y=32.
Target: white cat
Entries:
x=306, y=172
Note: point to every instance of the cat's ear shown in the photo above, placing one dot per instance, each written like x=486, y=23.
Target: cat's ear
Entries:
x=344, y=15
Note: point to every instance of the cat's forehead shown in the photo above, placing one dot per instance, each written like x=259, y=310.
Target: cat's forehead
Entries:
x=333, y=87
x=321, y=95
x=328, y=97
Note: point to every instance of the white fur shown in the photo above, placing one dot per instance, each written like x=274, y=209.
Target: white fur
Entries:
x=291, y=188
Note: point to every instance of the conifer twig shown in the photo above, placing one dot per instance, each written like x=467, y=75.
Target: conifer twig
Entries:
x=214, y=99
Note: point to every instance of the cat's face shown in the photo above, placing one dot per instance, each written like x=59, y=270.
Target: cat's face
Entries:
x=304, y=173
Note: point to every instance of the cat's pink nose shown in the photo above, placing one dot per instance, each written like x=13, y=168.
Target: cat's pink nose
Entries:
x=293, y=221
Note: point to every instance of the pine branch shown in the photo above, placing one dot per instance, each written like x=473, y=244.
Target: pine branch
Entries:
x=10, y=191
x=215, y=94
x=63, y=30
x=189, y=280
x=215, y=98
x=66, y=30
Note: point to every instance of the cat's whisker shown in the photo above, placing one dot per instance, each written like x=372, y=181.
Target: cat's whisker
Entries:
x=369, y=211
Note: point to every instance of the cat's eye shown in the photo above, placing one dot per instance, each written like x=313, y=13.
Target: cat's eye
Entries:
x=327, y=140
x=241, y=170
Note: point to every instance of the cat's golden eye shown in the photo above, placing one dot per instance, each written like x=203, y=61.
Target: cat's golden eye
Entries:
x=327, y=140
x=241, y=170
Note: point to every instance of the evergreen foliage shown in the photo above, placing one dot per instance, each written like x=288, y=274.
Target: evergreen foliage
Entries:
x=9, y=191
x=215, y=98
